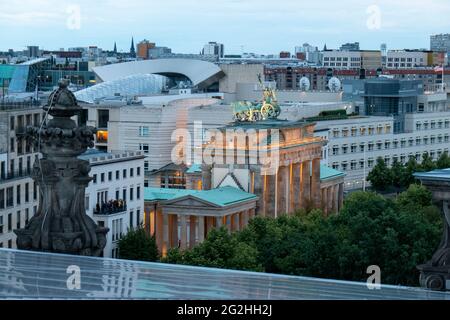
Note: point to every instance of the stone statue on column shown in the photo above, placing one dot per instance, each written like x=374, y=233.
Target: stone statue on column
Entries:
x=435, y=274
x=61, y=224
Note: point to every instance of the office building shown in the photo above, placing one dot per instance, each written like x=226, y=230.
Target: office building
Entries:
x=115, y=196
x=143, y=48
x=214, y=48
x=19, y=195
x=350, y=47
x=440, y=43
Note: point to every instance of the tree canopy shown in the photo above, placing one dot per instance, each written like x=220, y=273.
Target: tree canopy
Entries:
x=399, y=176
x=138, y=245
x=396, y=235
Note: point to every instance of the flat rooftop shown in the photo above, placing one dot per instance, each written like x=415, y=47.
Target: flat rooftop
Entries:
x=36, y=275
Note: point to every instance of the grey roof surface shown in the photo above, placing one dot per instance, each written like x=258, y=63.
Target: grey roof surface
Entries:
x=439, y=175
x=35, y=275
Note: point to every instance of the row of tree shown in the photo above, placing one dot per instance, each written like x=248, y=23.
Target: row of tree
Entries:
x=395, y=234
x=400, y=176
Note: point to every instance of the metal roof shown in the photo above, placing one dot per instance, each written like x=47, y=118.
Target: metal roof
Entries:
x=36, y=275
x=327, y=173
x=438, y=175
x=222, y=197
x=198, y=71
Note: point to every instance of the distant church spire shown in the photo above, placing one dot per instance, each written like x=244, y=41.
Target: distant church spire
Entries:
x=325, y=47
x=115, y=47
x=132, y=49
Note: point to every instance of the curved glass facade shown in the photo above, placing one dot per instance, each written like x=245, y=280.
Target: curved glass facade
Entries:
x=141, y=84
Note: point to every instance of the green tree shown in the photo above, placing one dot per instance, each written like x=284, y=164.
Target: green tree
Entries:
x=427, y=163
x=220, y=249
x=411, y=167
x=380, y=177
x=398, y=173
x=443, y=162
x=138, y=245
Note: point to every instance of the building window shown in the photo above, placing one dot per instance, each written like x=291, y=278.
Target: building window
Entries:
x=110, y=176
x=353, y=148
x=138, y=217
x=10, y=197
x=2, y=198
x=353, y=165
x=418, y=140
x=370, y=146
x=138, y=171
x=27, y=192
x=124, y=194
x=35, y=187
x=344, y=166
x=131, y=219
x=131, y=194
x=95, y=178
x=379, y=145
x=131, y=172
x=138, y=193
x=143, y=131
x=146, y=166
x=124, y=173
x=18, y=220
x=102, y=177
x=144, y=147
x=335, y=150
x=9, y=222
x=117, y=174
x=86, y=202
x=1, y=224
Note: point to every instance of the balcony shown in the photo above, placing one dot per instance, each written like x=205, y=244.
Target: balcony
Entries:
x=15, y=175
x=110, y=207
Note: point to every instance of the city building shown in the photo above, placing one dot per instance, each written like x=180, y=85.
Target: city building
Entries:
x=33, y=51
x=158, y=52
x=440, y=43
x=19, y=195
x=292, y=183
x=362, y=59
x=115, y=196
x=400, y=122
x=350, y=47
x=409, y=59
x=214, y=48
x=143, y=48
x=183, y=218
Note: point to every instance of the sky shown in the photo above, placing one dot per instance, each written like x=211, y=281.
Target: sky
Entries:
x=261, y=26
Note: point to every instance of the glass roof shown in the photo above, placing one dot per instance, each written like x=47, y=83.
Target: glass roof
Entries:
x=129, y=86
x=35, y=275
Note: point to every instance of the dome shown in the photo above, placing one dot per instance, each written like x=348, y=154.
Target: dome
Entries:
x=62, y=101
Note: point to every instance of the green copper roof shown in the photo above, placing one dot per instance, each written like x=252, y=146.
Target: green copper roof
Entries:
x=222, y=197
x=439, y=175
x=327, y=173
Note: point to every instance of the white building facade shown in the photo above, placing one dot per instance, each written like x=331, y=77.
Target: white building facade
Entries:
x=356, y=143
x=115, y=196
x=18, y=192
x=405, y=59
